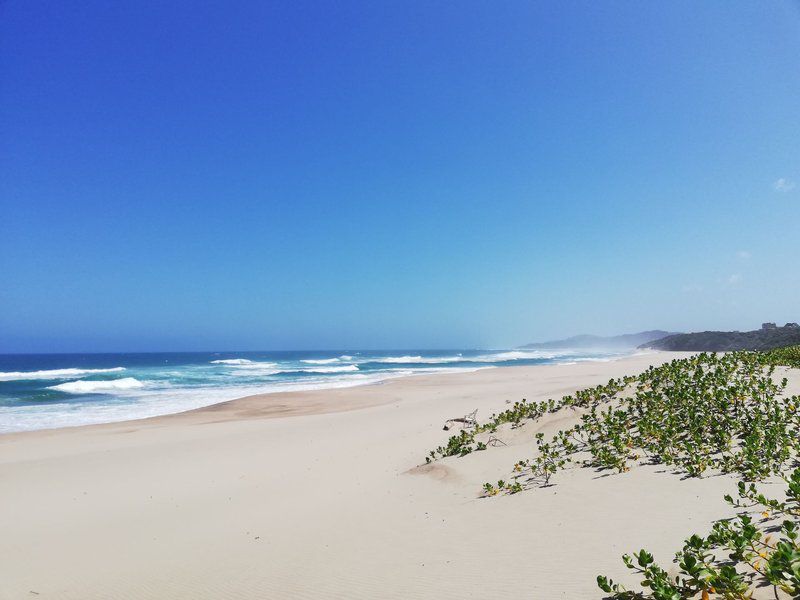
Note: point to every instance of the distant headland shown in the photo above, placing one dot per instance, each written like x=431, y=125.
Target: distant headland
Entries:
x=768, y=337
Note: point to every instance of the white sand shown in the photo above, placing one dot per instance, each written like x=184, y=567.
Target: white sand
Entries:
x=270, y=497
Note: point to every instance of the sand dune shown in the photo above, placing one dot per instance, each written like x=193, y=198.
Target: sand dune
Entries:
x=321, y=495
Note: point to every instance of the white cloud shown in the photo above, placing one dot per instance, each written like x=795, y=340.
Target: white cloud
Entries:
x=783, y=185
x=735, y=279
x=744, y=255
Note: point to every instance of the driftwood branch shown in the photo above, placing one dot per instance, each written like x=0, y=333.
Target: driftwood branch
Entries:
x=468, y=420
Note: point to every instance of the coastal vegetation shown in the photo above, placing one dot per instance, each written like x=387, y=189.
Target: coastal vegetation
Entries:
x=758, y=550
x=768, y=337
x=738, y=557
x=720, y=412
x=464, y=442
x=705, y=414
x=723, y=412
x=788, y=356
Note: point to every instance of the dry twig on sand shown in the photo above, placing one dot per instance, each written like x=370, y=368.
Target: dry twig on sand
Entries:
x=468, y=420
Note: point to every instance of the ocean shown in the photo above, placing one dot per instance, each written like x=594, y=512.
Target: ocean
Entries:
x=42, y=391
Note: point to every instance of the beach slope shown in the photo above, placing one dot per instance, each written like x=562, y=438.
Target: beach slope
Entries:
x=321, y=495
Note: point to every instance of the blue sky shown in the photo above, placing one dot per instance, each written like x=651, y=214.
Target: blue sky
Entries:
x=250, y=175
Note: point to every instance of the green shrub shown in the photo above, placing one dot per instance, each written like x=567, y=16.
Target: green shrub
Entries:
x=707, y=412
x=738, y=557
x=463, y=443
x=721, y=412
x=788, y=356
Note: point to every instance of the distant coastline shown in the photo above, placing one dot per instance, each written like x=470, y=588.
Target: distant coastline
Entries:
x=770, y=336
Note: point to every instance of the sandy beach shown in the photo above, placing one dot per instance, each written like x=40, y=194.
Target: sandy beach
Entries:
x=321, y=495
x=256, y=256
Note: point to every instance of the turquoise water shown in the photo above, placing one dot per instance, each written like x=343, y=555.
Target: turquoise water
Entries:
x=58, y=390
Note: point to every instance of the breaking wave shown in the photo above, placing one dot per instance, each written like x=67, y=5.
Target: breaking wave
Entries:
x=418, y=359
x=341, y=369
x=249, y=366
x=518, y=355
x=54, y=374
x=320, y=361
x=232, y=361
x=98, y=387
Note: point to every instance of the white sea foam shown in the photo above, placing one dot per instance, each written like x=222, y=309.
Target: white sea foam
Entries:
x=488, y=357
x=255, y=365
x=521, y=355
x=398, y=359
x=320, y=361
x=248, y=368
x=98, y=387
x=255, y=369
x=259, y=372
x=341, y=369
x=557, y=356
x=53, y=374
x=432, y=360
x=265, y=369
x=232, y=361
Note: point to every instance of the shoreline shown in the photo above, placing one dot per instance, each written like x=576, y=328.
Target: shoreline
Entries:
x=285, y=407
x=242, y=500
